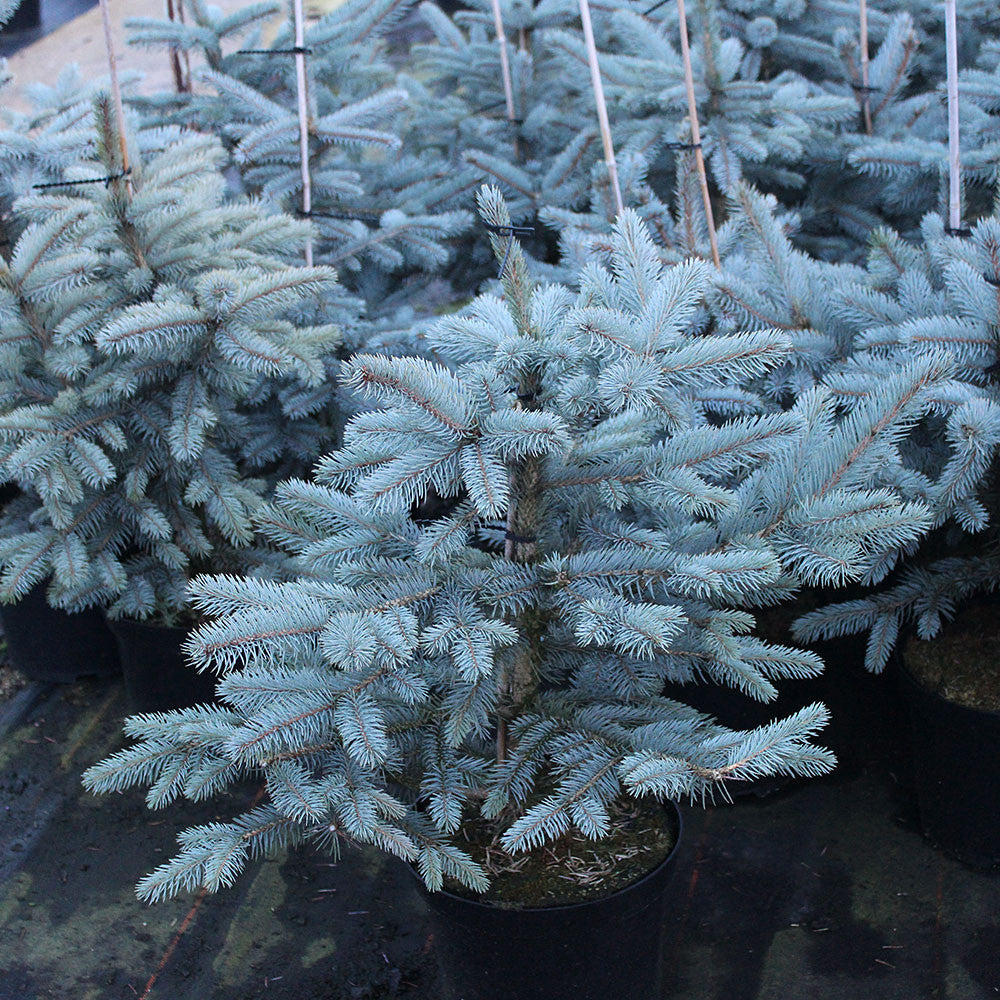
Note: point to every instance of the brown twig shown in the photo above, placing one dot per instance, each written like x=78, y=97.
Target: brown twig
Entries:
x=116, y=94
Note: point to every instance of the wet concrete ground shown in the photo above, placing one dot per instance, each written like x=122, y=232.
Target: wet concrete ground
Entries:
x=823, y=891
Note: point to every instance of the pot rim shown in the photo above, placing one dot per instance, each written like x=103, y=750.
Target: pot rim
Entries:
x=670, y=807
x=922, y=690
x=147, y=624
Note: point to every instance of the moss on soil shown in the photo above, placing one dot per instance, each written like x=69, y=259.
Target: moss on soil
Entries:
x=571, y=869
x=962, y=663
x=11, y=681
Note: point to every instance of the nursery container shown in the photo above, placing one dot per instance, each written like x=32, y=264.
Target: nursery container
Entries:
x=46, y=644
x=26, y=16
x=594, y=950
x=956, y=773
x=157, y=677
x=866, y=718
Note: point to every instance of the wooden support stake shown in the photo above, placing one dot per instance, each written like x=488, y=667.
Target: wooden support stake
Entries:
x=303, y=99
x=866, y=96
x=508, y=84
x=699, y=158
x=602, y=106
x=954, y=149
x=116, y=94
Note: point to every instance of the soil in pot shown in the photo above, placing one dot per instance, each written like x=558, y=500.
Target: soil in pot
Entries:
x=571, y=870
x=524, y=941
x=952, y=687
x=46, y=644
x=962, y=663
x=157, y=676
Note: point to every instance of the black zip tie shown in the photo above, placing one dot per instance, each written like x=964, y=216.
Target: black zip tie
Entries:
x=493, y=107
x=961, y=231
x=106, y=181
x=489, y=107
x=678, y=146
x=656, y=6
x=298, y=50
x=520, y=539
x=510, y=232
x=343, y=216
x=860, y=88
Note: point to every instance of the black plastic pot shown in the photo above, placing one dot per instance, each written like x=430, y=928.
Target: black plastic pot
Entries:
x=27, y=15
x=604, y=949
x=956, y=773
x=866, y=718
x=46, y=644
x=157, y=677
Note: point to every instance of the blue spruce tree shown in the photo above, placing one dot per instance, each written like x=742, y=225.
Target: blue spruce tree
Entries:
x=918, y=301
x=366, y=223
x=608, y=529
x=155, y=373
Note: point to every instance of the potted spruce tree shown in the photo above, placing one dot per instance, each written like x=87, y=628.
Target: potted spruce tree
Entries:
x=36, y=146
x=461, y=691
x=938, y=607
x=148, y=322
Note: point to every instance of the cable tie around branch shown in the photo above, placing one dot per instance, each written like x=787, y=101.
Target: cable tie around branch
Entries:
x=295, y=50
x=962, y=232
x=489, y=107
x=510, y=232
x=106, y=181
x=493, y=107
x=343, y=216
x=680, y=146
x=656, y=6
x=520, y=539
x=861, y=88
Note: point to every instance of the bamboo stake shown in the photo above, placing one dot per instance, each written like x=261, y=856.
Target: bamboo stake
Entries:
x=508, y=85
x=867, y=104
x=303, y=99
x=602, y=106
x=699, y=159
x=116, y=94
x=954, y=150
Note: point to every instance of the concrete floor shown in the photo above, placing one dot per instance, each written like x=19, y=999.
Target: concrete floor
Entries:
x=80, y=41
x=823, y=891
